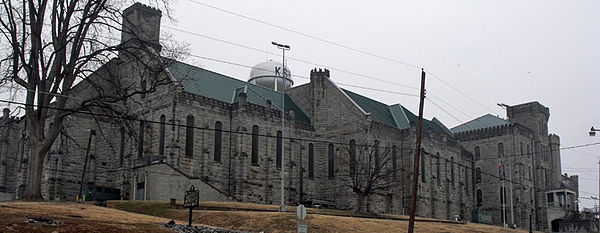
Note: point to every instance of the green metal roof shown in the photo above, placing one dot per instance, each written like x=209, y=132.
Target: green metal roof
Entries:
x=206, y=83
x=395, y=115
x=481, y=122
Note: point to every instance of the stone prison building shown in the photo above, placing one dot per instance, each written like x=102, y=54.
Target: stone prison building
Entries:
x=224, y=136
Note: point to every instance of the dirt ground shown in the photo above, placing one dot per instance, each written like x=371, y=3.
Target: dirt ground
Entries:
x=237, y=216
x=257, y=217
x=74, y=218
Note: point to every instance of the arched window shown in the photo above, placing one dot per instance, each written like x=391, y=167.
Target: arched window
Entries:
x=141, y=140
x=330, y=161
x=479, y=197
x=394, y=165
x=279, y=149
x=122, y=149
x=144, y=89
x=255, y=145
x=352, y=154
x=500, y=150
x=189, y=136
x=218, y=141
x=438, y=169
x=522, y=151
x=161, y=135
x=378, y=164
x=477, y=154
x=477, y=175
x=311, y=161
x=452, y=171
x=423, y=170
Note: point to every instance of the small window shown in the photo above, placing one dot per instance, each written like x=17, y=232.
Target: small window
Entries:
x=279, y=149
x=255, y=145
x=477, y=175
x=477, y=154
x=218, y=141
x=311, y=161
x=479, y=197
x=189, y=136
x=500, y=150
x=330, y=161
x=550, y=197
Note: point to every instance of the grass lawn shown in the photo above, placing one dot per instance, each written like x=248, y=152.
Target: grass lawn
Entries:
x=258, y=217
x=74, y=218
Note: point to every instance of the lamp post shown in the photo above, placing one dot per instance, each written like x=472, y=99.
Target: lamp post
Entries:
x=283, y=48
x=592, y=134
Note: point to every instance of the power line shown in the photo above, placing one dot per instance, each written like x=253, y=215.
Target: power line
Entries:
x=338, y=45
x=307, y=35
x=290, y=57
x=300, y=76
x=444, y=110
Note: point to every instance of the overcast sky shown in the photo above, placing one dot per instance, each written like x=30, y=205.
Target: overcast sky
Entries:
x=508, y=52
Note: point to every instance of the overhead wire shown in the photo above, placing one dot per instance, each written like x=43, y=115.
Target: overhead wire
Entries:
x=341, y=46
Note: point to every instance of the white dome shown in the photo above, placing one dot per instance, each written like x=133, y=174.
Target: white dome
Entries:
x=269, y=74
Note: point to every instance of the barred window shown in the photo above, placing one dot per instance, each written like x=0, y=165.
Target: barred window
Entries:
x=255, y=145
x=218, y=141
x=189, y=136
x=311, y=161
x=330, y=161
x=161, y=135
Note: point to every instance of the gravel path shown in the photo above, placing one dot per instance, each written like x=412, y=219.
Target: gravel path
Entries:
x=197, y=229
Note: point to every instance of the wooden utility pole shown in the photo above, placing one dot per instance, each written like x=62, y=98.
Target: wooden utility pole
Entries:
x=413, y=198
x=87, y=154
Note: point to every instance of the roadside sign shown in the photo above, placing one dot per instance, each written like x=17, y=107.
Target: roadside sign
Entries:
x=301, y=212
x=191, y=200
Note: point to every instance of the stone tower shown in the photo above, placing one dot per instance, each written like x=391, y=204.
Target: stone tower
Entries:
x=141, y=24
x=532, y=115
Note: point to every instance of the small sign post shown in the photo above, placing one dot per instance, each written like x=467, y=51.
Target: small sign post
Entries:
x=191, y=200
x=301, y=213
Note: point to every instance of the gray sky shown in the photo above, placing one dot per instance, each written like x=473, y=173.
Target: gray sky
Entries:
x=494, y=51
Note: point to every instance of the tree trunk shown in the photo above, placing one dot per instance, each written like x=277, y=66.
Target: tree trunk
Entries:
x=360, y=207
x=33, y=190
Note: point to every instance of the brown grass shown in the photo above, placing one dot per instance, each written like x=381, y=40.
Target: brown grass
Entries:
x=74, y=218
x=265, y=218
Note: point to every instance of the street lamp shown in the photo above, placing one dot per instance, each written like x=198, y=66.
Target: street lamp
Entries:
x=593, y=131
x=283, y=48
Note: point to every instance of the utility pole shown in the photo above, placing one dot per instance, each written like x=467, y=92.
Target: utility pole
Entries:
x=283, y=48
x=413, y=200
x=87, y=154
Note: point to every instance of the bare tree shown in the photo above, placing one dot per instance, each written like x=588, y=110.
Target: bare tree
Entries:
x=63, y=54
x=369, y=170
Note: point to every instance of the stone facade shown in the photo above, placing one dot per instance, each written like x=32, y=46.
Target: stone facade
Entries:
x=227, y=144
x=518, y=150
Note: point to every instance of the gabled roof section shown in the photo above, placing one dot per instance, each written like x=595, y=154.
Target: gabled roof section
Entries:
x=213, y=85
x=395, y=115
x=481, y=122
x=379, y=111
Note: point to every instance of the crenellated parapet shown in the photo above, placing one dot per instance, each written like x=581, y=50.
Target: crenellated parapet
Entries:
x=319, y=73
x=493, y=131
